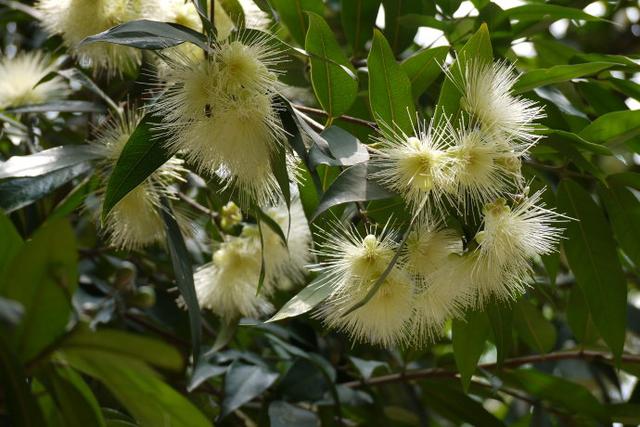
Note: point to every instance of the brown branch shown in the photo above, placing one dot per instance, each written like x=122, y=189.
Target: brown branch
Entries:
x=509, y=363
x=197, y=206
x=350, y=119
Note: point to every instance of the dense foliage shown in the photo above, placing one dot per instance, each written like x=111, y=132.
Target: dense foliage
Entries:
x=166, y=168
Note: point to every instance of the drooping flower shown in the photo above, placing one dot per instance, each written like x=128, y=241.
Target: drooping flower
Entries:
x=219, y=112
x=510, y=240
x=135, y=221
x=75, y=20
x=227, y=285
x=487, y=94
x=352, y=265
x=285, y=265
x=414, y=166
x=19, y=77
x=480, y=168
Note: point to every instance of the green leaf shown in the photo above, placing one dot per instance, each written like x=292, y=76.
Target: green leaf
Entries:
x=352, y=185
x=60, y=106
x=145, y=34
x=399, y=34
x=283, y=414
x=539, y=11
x=21, y=407
x=278, y=162
x=358, y=19
x=566, y=394
x=125, y=344
x=536, y=331
x=337, y=147
x=47, y=161
x=244, y=382
x=579, y=318
x=308, y=298
x=469, y=337
x=389, y=87
x=623, y=208
x=43, y=281
x=478, y=47
x=614, y=128
x=138, y=388
x=334, y=88
x=624, y=413
x=591, y=253
x=17, y=193
x=557, y=74
x=181, y=262
x=74, y=399
x=140, y=157
x=293, y=15
x=423, y=68
x=501, y=321
x=10, y=243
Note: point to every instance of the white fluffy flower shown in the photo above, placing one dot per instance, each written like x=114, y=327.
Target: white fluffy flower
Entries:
x=135, y=221
x=511, y=238
x=227, y=286
x=285, y=266
x=487, y=94
x=416, y=167
x=75, y=20
x=20, y=75
x=352, y=265
x=219, y=112
x=429, y=246
x=480, y=168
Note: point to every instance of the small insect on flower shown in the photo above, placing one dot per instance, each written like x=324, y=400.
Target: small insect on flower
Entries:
x=480, y=168
x=219, y=111
x=414, y=166
x=75, y=20
x=487, y=94
x=227, y=285
x=510, y=240
x=135, y=221
x=352, y=265
x=19, y=77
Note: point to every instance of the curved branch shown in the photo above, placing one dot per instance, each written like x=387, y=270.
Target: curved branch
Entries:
x=513, y=362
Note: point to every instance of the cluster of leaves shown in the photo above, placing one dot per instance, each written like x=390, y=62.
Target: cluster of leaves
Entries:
x=92, y=336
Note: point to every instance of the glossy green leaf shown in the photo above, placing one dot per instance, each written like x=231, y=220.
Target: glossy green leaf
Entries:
x=145, y=34
x=469, y=337
x=16, y=193
x=308, y=298
x=591, y=253
x=557, y=74
x=579, y=318
x=283, y=414
x=614, y=128
x=623, y=208
x=183, y=272
x=139, y=389
x=337, y=147
x=399, y=34
x=293, y=14
x=10, y=243
x=532, y=327
x=140, y=157
x=539, y=11
x=47, y=161
x=558, y=391
x=389, y=87
x=352, y=185
x=501, y=320
x=39, y=276
x=334, y=89
x=244, y=382
x=358, y=19
x=423, y=67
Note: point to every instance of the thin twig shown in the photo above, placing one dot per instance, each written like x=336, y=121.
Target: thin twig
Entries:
x=350, y=119
x=197, y=206
x=509, y=363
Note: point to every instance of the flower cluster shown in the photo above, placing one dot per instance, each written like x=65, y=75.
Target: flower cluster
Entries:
x=19, y=78
x=228, y=284
x=219, y=112
x=135, y=221
x=469, y=169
